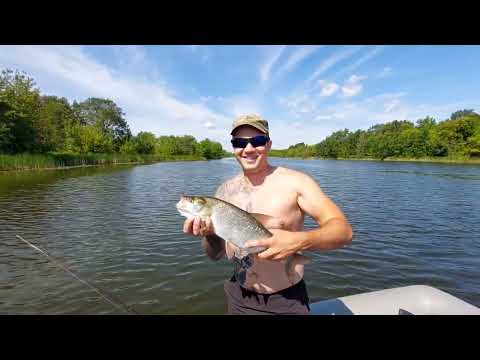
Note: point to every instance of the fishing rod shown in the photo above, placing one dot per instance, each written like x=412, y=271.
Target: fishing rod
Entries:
x=123, y=306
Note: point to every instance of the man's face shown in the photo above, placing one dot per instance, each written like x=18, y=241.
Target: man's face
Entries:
x=251, y=159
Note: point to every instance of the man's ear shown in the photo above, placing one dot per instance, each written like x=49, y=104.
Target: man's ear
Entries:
x=269, y=144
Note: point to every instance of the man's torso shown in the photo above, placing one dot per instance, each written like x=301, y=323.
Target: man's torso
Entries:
x=276, y=197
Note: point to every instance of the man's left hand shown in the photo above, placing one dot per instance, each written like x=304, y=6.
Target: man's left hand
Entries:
x=282, y=244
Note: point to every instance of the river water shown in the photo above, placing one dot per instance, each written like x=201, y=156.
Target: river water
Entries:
x=117, y=228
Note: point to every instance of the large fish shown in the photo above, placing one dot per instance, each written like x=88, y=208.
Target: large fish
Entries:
x=236, y=226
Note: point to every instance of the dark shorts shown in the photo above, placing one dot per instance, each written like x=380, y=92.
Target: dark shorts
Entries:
x=290, y=301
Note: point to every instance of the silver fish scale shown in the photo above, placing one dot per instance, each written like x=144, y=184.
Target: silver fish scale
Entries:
x=236, y=225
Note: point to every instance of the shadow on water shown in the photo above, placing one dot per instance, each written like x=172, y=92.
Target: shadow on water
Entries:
x=11, y=180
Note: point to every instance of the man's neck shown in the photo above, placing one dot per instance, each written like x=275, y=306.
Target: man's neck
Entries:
x=258, y=177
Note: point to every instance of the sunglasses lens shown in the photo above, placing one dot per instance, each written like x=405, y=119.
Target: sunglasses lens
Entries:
x=255, y=141
x=239, y=143
x=259, y=141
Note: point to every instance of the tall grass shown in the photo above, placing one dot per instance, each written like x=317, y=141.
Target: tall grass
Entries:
x=61, y=160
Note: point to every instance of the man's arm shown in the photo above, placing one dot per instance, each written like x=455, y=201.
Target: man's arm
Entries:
x=334, y=231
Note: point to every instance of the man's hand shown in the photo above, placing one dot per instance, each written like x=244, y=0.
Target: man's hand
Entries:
x=282, y=244
x=198, y=226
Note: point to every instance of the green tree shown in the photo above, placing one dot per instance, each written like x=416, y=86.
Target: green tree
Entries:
x=145, y=143
x=6, y=123
x=55, y=116
x=105, y=115
x=129, y=146
x=209, y=149
x=462, y=113
x=86, y=139
x=18, y=91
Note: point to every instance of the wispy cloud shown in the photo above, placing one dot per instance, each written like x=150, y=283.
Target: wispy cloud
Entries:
x=332, y=61
x=323, y=117
x=368, y=56
x=267, y=66
x=386, y=71
x=296, y=57
x=237, y=105
x=391, y=105
x=70, y=64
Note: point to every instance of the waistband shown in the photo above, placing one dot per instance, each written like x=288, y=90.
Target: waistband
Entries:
x=297, y=291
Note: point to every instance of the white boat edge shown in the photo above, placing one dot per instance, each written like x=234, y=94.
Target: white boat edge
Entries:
x=406, y=300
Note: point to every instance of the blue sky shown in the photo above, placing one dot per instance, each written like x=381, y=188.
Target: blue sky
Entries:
x=306, y=92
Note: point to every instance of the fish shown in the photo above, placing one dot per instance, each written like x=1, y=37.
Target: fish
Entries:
x=237, y=226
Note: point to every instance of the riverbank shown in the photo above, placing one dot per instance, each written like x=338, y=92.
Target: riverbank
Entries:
x=21, y=162
x=426, y=159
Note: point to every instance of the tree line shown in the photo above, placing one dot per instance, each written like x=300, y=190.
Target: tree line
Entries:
x=39, y=124
x=456, y=138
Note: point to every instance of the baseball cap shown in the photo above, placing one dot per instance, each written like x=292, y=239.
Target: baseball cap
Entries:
x=251, y=120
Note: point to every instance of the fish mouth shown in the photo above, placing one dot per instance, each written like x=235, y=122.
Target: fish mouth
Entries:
x=185, y=212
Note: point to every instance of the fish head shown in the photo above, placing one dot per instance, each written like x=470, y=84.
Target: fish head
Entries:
x=191, y=206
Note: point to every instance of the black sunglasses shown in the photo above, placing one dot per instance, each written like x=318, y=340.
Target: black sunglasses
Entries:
x=259, y=140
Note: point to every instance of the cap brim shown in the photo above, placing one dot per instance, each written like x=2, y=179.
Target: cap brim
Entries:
x=254, y=126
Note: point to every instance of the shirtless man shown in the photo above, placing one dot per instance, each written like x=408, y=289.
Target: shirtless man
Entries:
x=287, y=196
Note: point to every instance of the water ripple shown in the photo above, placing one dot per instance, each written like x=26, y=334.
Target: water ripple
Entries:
x=118, y=228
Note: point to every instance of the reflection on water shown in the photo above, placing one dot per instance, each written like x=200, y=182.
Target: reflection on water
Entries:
x=117, y=228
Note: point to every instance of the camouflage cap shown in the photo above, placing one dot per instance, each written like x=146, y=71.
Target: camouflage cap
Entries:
x=251, y=120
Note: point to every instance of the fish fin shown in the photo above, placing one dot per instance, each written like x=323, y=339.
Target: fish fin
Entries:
x=269, y=222
x=214, y=247
x=241, y=253
x=293, y=260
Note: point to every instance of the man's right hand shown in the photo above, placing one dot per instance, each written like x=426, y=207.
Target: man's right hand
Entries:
x=198, y=226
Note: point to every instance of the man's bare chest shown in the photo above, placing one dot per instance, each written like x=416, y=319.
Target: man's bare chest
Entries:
x=276, y=201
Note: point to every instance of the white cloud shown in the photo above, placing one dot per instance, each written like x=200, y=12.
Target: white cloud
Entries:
x=209, y=125
x=352, y=90
x=236, y=105
x=352, y=85
x=386, y=71
x=134, y=54
x=355, y=79
x=148, y=106
x=273, y=57
x=298, y=104
x=323, y=117
x=370, y=111
x=328, y=89
x=287, y=132
x=391, y=105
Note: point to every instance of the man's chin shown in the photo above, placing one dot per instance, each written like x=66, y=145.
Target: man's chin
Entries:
x=251, y=167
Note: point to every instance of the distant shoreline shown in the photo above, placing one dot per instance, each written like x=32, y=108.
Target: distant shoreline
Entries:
x=17, y=163
x=112, y=162
x=425, y=160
